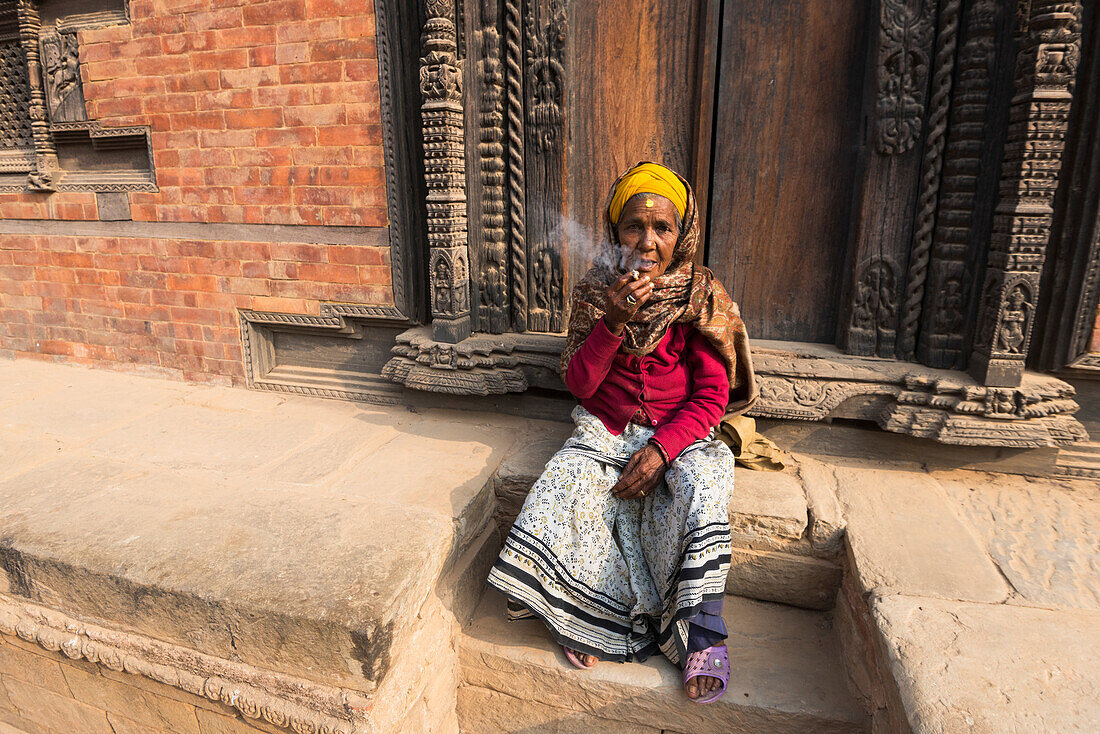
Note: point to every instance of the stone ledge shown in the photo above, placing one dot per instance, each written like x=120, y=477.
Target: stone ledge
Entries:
x=990, y=668
x=296, y=536
x=784, y=680
x=256, y=694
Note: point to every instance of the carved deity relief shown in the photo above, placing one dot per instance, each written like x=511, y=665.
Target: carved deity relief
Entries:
x=906, y=33
x=443, y=301
x=64, y=96
x=545, y=48
x=1015, y=321
x=440, y=77
x=873, y=328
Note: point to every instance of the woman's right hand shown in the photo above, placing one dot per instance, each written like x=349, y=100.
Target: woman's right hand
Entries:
x=617, y=310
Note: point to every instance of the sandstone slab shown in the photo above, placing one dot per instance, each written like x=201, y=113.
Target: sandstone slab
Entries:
x=904, y=536
x=768, y=504
x=991, y=668
x=800, y=581
x=293, y=534
x=1043, y=533
x=785, y=677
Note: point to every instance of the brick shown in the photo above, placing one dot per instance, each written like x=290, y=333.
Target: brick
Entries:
x=54, y=712
x=274, y=12
x=261, y=117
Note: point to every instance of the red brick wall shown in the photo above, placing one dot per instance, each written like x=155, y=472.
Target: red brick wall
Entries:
x=260, y=113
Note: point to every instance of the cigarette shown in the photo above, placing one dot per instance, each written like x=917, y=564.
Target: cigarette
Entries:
x=634, y=275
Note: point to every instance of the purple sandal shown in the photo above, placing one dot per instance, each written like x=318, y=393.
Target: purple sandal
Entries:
x=712, y=661
x=575, y=660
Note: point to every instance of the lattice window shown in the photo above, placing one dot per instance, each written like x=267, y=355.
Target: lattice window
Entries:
x=16, y=138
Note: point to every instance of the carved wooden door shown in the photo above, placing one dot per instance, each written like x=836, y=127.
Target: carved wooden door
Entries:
x=789, y=75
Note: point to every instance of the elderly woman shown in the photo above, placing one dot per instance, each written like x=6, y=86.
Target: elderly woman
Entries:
x=623, y=544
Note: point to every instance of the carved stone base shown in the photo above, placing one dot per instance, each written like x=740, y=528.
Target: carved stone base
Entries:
x=483, y=364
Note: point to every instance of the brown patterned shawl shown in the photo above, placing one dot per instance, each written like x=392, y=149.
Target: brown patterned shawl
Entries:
x=686, y=293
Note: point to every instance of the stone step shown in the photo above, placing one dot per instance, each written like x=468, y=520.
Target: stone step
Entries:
x=787, y=677
x=787, y=528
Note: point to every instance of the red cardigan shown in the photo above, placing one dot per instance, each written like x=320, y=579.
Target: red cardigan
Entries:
x=681, y=385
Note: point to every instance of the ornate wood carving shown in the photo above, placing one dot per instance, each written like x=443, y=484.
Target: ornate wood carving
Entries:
x=444, y=172
x=546, y=29
x=517, y=186
x=64, y=94
x=16, y=137
x=1045, y=70
x=872, y=326
x=902, y=74
x=931, y=166
x=30, y=26
x=1071, y=280
x=493, y=309
x=944, y=311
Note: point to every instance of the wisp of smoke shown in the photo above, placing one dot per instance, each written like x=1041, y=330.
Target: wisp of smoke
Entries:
x=583, y=243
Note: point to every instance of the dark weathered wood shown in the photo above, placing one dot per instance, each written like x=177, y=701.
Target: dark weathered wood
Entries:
x=632, y=96
x=789, y=80
x=547, y=35
x=710, y=30
x=1046, y=68
x=1070, y=291
x=900, y=37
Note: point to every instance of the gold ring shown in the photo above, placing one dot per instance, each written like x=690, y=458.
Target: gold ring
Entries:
x=631, y=300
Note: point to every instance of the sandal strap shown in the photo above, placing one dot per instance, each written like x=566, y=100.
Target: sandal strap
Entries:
x=713, y=661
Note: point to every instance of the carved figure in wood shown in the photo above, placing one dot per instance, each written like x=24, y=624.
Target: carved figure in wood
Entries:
x=874, y=309
x=906, y=28
x=64, y=96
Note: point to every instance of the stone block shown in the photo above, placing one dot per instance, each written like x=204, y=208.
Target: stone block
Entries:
x=800, y=581
x=904, y=537
x=13, y=724
x=55, y=712
x=161, y=690
x=122, y=725
x=991, y=668
x=784, y=679
x=212, y=723
x=1041, y=532
x=768, y=504
x=133, y=703
x=492, y=712
x=31, y=668
x=825, y=515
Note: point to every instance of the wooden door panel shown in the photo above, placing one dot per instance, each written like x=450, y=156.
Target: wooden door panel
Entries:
x=785, y=136
x=634, y=95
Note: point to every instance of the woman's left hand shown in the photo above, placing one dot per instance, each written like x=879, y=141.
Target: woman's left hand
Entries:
x=642, y=474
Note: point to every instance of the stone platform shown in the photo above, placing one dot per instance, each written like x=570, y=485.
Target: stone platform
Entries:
x=268, y=541
x=182, y=558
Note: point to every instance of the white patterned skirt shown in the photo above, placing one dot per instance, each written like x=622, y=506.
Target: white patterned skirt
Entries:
x=614, y=578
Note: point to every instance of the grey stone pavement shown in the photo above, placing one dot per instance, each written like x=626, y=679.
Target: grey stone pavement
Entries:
x=272, y=525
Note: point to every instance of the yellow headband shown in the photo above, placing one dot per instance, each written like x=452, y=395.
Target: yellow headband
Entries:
x=649, y=178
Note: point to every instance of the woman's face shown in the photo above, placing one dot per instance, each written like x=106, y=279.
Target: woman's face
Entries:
x=647, y=233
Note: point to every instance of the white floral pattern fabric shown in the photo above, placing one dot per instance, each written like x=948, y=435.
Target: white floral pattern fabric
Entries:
x=614, y=578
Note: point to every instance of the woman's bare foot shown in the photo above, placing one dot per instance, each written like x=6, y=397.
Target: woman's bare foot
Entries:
x=702, y=686
x=586, y=660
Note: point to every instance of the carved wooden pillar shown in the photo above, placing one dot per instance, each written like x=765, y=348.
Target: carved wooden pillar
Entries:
x=967, y=170
x=546, y=143
x=883, y=215
x=30, y=27
x=492, y=259
x=444, y=172
x=1049, y=36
